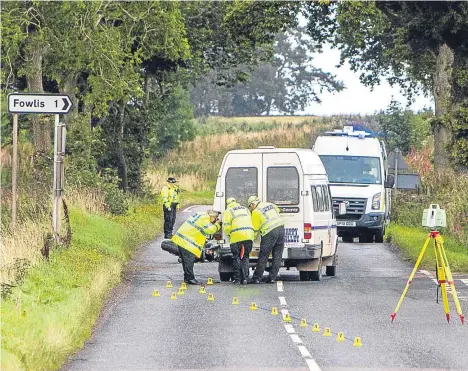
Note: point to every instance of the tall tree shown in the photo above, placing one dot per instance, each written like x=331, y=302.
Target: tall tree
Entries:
x=415, y=44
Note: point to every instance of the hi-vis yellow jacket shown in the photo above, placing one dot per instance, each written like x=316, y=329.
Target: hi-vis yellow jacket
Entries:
x=170, y=195
x=266, y=217
x=192, y=234
x=237, y=223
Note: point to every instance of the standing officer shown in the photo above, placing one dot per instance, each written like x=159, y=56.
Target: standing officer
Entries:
x=267, y=220
x=170, y=199
x=237, y=224
x=190, y=238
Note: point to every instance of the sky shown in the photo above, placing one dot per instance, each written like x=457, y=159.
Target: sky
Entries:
x=356, y=98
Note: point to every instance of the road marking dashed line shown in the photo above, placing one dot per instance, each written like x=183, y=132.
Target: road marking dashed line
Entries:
x=465, y=281
x=313, y=366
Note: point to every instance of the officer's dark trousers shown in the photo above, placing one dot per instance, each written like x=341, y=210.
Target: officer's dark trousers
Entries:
x=169, y=220
x=241, y=266
x=272, y=243
x=188, y=261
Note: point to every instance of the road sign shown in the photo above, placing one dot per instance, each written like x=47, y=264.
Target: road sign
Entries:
x=39, y=103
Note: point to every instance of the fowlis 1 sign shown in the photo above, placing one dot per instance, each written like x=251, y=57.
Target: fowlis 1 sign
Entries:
x=39, y=103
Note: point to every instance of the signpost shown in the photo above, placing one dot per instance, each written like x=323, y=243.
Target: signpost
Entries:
x=26, y=103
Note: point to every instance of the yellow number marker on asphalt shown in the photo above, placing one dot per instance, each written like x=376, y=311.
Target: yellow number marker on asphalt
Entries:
x=181, y=292
x=287, y=318
x=173, y=296
x=183, y=286
x=340, y=338
x=327, y=332
x=303, y=323
x=253, y=306
x=357, y=342
x=316, y=328
x=210, y=281
x=210, y=297
x=202, y=290
x=169, y=285
x=235, y=300
x=156, y=293
x=274, y=311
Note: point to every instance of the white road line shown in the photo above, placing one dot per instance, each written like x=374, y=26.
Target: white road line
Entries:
x=279, y=286
x=296, y=339
x=426, y=273
x=304, y=351
x=282, y=300
x=290, y=329
x=465, y=281
x=284, y=312
x=188, y=209
x=313, y=366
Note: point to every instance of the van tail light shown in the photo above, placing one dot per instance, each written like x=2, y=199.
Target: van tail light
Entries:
x=307, y=231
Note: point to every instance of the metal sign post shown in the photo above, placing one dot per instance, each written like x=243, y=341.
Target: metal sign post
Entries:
x=46, y=104
x=14, y=172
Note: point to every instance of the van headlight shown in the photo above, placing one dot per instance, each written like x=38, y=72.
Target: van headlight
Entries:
x=376, y=201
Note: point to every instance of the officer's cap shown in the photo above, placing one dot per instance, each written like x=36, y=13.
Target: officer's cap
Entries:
x=212, y=213
x=171, y=180
x=230, y=200
x=253, y=200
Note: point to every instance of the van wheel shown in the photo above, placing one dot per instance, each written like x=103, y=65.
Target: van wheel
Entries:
x=225, y=276
x=304, y=275
x=366, y=238
x=330, y=270
x=348, y=239
x=379, y=236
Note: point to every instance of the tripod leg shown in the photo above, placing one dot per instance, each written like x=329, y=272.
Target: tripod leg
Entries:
x=450, y=280
x=441, y=277
x=410, y=279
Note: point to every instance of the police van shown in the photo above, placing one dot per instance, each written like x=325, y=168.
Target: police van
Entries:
x=296, y=181
x=356, y=164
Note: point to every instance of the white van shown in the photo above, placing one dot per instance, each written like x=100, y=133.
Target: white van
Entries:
x=295, y=180
x=356, y=164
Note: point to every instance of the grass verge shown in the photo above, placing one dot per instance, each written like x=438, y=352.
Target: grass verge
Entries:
x=411, y=240
x=52, y=313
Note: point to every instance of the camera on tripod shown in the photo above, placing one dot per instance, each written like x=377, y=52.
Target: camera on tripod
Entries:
x=434, y=217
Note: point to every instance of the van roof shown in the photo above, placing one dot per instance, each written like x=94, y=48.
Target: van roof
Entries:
x=347, y=146
x=309, y=160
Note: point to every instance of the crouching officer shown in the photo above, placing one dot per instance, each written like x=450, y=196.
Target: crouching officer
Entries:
x=170, y=199
x=190, y=238
x=267, y=220
x=237, y=224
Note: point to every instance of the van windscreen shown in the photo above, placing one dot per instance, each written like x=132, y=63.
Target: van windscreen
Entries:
x=352, y=169
x=241, y=183
x=283, y=185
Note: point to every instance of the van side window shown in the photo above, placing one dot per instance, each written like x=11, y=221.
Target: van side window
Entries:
x=320, y=198
x=314, y=198
x=283, y=185
x=241, y=183
x=326, y=198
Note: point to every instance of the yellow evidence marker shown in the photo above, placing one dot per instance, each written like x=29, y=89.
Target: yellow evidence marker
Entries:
x=316, y=328
x=210, y=281
x=327, y=332
x=357, y=342
x=235, y=300
x=156, y=293
x=173, y=296
x=202, y=290
x=303, y=323
x=210, y=297
x=169, y=285
x=253, y=306
x=340, y=338
x=181, y=292
x=287, y=318
x=274, y=311
x=183, y=286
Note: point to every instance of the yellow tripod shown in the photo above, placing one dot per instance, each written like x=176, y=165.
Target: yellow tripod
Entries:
x=444, y=275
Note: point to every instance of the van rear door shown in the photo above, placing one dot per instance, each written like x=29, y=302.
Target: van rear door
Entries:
x=282, y=174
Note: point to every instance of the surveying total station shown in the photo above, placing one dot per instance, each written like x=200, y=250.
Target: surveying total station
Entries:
x=434, y=217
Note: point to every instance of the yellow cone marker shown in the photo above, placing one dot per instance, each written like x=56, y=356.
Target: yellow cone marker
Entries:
x=316, y=328
x=181, y=292
x=173, y=296
x=169, y=285
x=235, y=300
x=340, y=338
x=274, y=311
x=183, y=286
x=210, y=281
x=327, y=332
x=357, y=342
x=287, y=318
x=202, y=290
x=303, y=323
x=156, y=293
x=253, y=306
x=210, y=297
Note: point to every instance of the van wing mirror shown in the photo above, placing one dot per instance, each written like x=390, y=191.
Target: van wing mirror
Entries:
x=389, y=183
x=341, y=208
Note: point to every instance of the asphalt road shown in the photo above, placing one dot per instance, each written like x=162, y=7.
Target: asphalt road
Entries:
x=140, y=332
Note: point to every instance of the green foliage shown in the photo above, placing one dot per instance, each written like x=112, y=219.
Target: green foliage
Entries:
x=459, y=141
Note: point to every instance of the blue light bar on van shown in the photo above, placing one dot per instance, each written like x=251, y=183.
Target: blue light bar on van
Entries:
x=349, y=131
